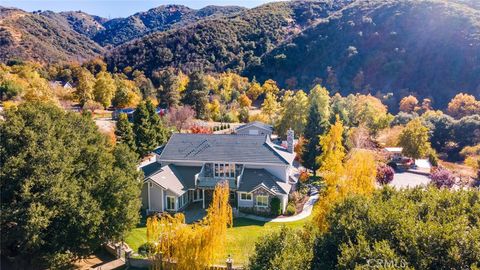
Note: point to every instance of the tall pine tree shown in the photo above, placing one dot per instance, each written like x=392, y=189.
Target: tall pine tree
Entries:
x=317, y=124
x=196, y=93
x=145, y=135
x=124, y=132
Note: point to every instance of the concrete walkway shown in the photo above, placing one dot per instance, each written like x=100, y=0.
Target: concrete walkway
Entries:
x=307, y=211
x=111, y=265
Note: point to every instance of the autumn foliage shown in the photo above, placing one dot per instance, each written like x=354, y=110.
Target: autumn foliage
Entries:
x=194, y=246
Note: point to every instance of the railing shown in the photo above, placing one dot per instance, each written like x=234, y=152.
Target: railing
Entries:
x=211, y=182
x=239, y=178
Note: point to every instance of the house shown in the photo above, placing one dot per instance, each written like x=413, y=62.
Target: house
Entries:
x=255, y=128
x=66, y=85
x=189, y=166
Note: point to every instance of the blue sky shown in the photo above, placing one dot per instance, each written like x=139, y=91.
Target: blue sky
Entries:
x=118, y=8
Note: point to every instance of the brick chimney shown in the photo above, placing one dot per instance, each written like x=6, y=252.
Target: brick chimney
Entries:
x=290, y=137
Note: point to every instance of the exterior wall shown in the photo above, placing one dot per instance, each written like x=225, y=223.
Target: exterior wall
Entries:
x=261, y=192
x=242, y=203
x=253, y=130
x=144, y=196
x=156, y=200
x=169, y=193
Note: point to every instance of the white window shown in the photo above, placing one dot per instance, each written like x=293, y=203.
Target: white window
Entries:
x=262, y=201
x=226, y=170
x=245, y=196
x=171, y=203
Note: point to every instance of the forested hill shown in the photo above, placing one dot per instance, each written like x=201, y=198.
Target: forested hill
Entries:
x=118, y=31
x=235, y=42
x=431, y=48
x=43, y=37
x=428, y=47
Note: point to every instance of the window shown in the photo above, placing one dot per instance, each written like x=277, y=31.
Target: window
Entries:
x=245, y=196
x=262, y=201
x=171, y=203
x=224, y=170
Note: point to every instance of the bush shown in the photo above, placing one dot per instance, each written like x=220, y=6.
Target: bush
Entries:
x=442, y=178
x=385, y=174
x=432, y=158
x=291, y=210
x=275, y=206
x=146, y=248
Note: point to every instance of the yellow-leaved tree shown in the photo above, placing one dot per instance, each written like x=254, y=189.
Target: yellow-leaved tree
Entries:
x=355, y=175
x=194, y=246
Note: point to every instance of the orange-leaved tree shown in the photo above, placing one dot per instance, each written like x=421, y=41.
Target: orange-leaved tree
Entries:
x=194, y=246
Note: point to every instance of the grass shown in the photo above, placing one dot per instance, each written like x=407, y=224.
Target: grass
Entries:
x=241, y=237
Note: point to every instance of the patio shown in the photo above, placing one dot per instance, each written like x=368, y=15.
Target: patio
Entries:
x=194, y=212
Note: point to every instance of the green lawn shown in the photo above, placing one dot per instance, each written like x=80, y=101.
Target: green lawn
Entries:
x=241, y=237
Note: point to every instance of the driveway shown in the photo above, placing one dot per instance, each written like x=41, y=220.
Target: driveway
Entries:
x=409, y=179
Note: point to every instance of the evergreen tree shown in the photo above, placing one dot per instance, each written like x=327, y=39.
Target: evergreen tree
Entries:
x=157, y=124
x=196, y=93
x=317, y=124
x=146, y=137
x=168, y=90
x=124, y=132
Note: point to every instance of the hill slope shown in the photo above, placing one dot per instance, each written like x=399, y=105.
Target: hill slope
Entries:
x=428, y=47
x=42, y=37
x=118, y=31
x=431, y=48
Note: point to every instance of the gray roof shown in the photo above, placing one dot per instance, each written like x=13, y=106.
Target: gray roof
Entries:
x=225, y=148
x=257, y=124
x=150, y=169
x=178, y=179
x=254, y=178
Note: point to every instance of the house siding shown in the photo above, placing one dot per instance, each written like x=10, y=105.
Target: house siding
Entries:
x=156, y=200
x=253, y=130
x=144, y=196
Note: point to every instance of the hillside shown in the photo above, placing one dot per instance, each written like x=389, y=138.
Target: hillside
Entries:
x=42, y=37
x=220, y=43
x=118, y=31
x=430, y=48
x=427, y=47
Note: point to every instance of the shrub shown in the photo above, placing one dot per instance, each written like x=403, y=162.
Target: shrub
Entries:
x=290, y=211
x=146, y=248
x=275, y=206
x=385, y=174
x=304, y=176
x=442, y=177
x=432, y=158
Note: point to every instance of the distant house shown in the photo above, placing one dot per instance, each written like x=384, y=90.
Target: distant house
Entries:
x=255, y=128
x=189, y=166
x=66, y=85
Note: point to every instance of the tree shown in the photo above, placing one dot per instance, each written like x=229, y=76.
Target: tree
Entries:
x=414, y=139
x=127, y=94
x=168, y=90
x=213, y=110
x=441, y=130
x=255, y=90
x=283, y=249
x=463, y=105
x=124, y=132
x=409, y=104
x=192, y=246
x=157, y=124
x=196, y=94
x=317, y=124
x=385, y=174
x=442, y=178
x=62, y=184
x=181, y=117
x=147, y=89
x=85, y=84
x=104, y=89
x=466, y=131
x=146, y=137
x=270, y=107
x=292, y=113
x=244, y=101
x=270, y=87
x=390, y=227
x=338, y=107
x=369, y=110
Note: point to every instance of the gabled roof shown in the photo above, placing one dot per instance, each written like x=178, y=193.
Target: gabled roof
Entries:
x=224, y=148
x=150, y=169
x=253, y=179
x=178, y=179
x=256, y=124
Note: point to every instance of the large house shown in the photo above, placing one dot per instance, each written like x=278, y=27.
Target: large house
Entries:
x=189, y=166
